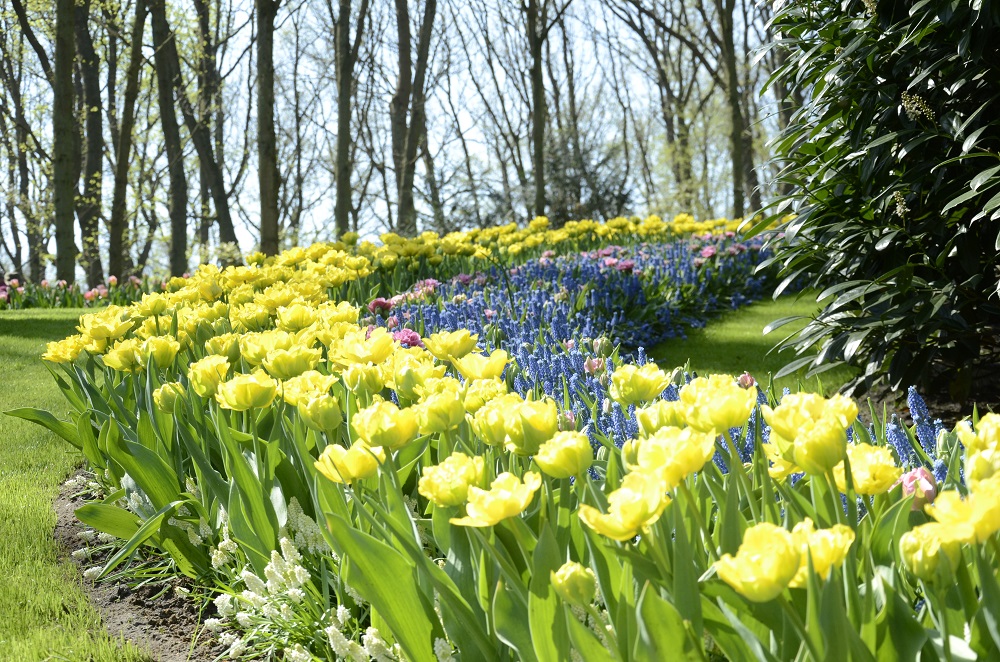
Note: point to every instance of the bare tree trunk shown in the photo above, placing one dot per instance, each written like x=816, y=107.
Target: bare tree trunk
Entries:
x=267, y=143
x=166, y=73
x=538, y=109
x=117, y=260
x=64, y=170
x=725, y=9
x=346, y=54
x=435, y=192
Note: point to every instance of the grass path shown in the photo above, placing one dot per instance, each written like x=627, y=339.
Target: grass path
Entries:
x=44, y=614
x=736, y=342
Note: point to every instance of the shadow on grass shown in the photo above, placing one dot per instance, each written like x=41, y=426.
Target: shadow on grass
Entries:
x=37, y=325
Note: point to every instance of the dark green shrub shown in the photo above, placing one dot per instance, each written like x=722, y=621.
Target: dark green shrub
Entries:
x=892, y=165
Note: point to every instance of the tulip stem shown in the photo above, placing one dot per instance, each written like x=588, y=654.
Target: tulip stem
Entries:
x=799, y=626
x=736, y=467
x=712, y=552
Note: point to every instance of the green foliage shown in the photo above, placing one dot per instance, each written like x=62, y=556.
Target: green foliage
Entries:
x=893, y=164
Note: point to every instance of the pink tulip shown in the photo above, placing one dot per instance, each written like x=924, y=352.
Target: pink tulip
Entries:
x=593, y=365
x=746, y=380
x=920, y=483
x=379, y=304
x=112, y=280
x=45, y=283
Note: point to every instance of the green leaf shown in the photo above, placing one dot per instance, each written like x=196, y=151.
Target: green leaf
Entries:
x=109, y=519
x=385, y=578
x=65, y=430
x=150, y=528
x=662, y=631
x=511, y=626
x=548, y=627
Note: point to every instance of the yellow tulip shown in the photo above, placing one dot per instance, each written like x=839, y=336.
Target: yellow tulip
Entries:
x=296, y=317
x=349, y=465
x=529, y=426
x=716, y=402
x=384, y=424
x=126, y=356
x=109, y=324
x=440, y=411
x=632, y=384
x=243, y=392
x=478, y=366
x=302, y=387
x=448, y=483
x=659, y=414
x=288, y=363
x=635, y=505
x=566, y=454
x=449, y=345
x=764, y=565
x=507, y=497
x=356, y=348
x=922, y=547
x=972, y=519
x=672, y=454
x=66, y=350
x=488, y=423
x=827, y=547
x=810, y=430
x=162, y=349
x=574, y=583
x=320, y=412
x=364, y=378
x=227, y=345
x=480, y=391
x=873, y=469
x=255, y=347
x=982, y=449
x=166, y=396
x=206, y=374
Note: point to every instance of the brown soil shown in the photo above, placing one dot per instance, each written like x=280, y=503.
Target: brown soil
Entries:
x=168, y=627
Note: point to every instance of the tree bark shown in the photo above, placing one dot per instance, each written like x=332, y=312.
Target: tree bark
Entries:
x=346, y=55
x=267, y=143
x=88, y=206
x=736, y=139
x=64, y=170
x=538, y=109
x=117, y=256
x=166, y=74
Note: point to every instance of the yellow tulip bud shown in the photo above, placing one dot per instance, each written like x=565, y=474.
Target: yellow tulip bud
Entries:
x=574, y=583
x=478, y=366
x=716, y=402
x=448, y=483
x=243, y=392
x=764, y=565
x=321, y=412
x=631, y=384
x=566, y=454
x=827, y=547
x=507, y=497
x=637, y=504
x=449, y=345
x=162, y=349
x=288, y=363
x=349, y=465
x=384, y=424
x=166, y=396
x=873, y=469
x=206, y=374
x=529, y=426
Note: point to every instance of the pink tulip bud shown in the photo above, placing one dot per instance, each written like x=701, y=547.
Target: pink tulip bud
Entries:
x=14, y=282
x=45, y=283
x=392, y=322
x=593, y=365
x=567, y=421
x=112, y=280
x=920, y=483
x=746, y=380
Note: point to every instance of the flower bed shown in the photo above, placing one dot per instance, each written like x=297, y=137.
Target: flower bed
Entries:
x=486, y=484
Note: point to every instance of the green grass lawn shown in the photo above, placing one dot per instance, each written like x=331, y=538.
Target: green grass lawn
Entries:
x=44, y=614
x=736, y=342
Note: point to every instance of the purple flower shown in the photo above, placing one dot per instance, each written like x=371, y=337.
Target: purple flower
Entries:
x=408, y=337
x=379, y=304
